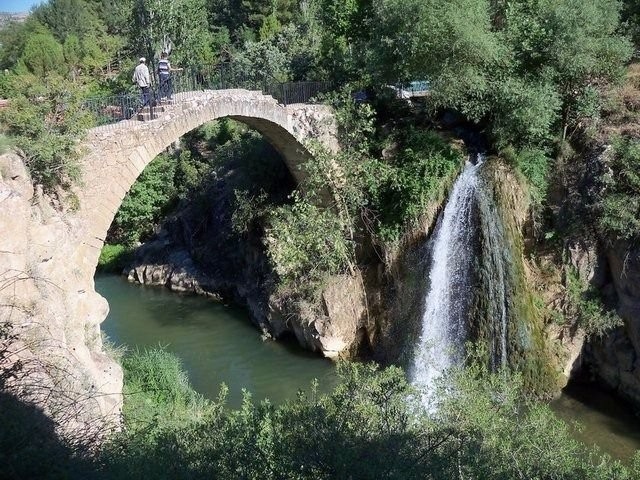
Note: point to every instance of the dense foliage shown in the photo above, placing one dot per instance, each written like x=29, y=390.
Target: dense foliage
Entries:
x=620, y=203
x=368, y=427
x=530, y=74
x=146, y=203
x=530, y=70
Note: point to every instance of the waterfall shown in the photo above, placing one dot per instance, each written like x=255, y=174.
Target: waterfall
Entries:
x=467, y=244
x=444, y=329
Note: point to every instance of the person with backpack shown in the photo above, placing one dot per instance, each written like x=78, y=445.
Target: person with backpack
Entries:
x=164, y=74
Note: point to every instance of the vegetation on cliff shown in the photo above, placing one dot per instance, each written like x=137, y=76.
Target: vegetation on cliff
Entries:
x=620, y=203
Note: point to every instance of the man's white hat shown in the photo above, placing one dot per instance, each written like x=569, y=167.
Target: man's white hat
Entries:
x=142, y=59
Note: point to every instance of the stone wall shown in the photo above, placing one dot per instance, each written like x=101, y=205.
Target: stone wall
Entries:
x=615, y=359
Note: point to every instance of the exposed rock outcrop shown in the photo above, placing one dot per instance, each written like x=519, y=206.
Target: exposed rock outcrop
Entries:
x=615, y=359
x=334, y=326
x=53, y=343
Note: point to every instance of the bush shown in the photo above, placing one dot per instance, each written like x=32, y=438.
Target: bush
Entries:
x=114, y=258
x=533, y=164
x=586, y=308
x=619, y=206
x=5, y=144
x=371, y=426
x=148, y=200
x=306, y=241
x=402, y=189
x=45, y=120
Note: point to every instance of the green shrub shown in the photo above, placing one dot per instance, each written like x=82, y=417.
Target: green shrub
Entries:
x=157, y=392
x=534, y=165
x=371, y=426
x=114, y=258
x=148, y=200
x=585, y=306
x=45, y=120
x=5, y=144
x=402, y=189
x=306, y=241
x=619, y=205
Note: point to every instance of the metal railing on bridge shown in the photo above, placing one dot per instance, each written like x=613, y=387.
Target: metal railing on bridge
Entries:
x=186, y=83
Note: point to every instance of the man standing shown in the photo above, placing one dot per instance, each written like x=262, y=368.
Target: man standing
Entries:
x=142, y=79
x=164, y=72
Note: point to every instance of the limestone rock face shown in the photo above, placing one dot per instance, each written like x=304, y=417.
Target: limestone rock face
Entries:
x=47, y=300
x=336, y=328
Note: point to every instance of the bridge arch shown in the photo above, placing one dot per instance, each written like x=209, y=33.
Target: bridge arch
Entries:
x=115, y=155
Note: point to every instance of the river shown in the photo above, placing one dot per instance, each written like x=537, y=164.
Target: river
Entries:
x=217, y=343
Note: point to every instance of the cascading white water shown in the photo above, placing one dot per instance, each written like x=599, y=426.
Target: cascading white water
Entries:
x=444, y=328
x=468, y=245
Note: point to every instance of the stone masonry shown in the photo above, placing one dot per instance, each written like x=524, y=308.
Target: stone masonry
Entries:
x=117, y=154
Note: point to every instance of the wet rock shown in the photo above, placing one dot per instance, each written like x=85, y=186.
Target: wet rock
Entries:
x=615, y=358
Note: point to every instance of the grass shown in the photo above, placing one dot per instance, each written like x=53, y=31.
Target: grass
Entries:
x=114, y=258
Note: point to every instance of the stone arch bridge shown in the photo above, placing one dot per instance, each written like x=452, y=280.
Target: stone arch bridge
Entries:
x=48, y=255
x=116, y=154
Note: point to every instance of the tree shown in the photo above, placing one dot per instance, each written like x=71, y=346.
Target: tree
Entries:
x=574, y=44
x=258, y=13
x=43, y=55
x=346, y=27
x=67, y=17
x=178, y=26
x=483, y=58
x=146, y=202
x=13, y=38
x=72, y=54
x=116, y=14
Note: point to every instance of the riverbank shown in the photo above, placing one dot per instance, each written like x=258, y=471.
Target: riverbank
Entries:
x=217, y=344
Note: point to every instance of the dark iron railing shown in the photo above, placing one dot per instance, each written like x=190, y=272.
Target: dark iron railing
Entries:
x=114, y=108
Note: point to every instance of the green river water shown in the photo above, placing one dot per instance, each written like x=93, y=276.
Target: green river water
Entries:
x=218, y=343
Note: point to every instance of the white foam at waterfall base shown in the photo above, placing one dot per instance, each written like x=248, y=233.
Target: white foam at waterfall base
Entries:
x=441, y=342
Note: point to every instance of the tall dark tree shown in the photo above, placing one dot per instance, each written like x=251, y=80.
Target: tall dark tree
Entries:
x=176, y=26
x=257, y=12
x=68, y=17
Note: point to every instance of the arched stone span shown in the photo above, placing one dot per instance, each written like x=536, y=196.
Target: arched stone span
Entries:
x=116, y=154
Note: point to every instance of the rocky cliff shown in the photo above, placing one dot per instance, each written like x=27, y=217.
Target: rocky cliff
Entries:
x=199, y=250
x=50, y=315
x=615, y=358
